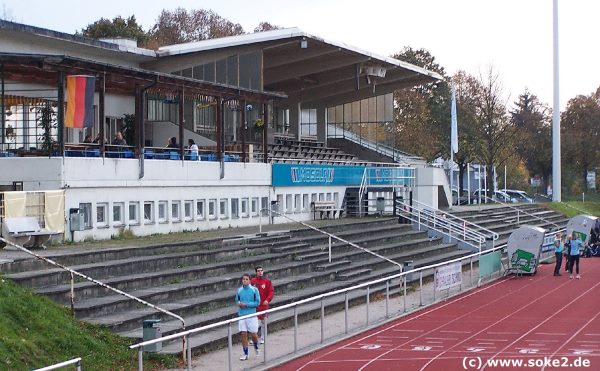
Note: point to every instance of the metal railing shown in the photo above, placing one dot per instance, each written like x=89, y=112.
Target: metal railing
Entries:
x=446, y=223
x=331, y=236
x=76, y=273
x=74, y=361
x=380, y=285
x=519, y=211
x=378, y=147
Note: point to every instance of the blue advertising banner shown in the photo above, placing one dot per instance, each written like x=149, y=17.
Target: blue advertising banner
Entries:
x=286, y=175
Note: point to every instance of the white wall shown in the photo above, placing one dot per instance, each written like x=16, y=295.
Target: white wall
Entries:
x=428, y=179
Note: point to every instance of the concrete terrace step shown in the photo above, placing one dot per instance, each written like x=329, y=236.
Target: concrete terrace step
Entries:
x=152, y=263
x=215, y=339
x=333, y=265
x=351, y=274
x=89, y=256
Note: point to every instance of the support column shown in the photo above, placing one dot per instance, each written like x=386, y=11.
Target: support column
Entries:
x=101, y=109
x=295, y=120
x=60, y=116
x=181, y=122
x=322, y=124
x=244, y=127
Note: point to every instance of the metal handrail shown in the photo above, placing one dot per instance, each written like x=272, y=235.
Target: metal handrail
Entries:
x=331, y=236
x=76, y=273
x=74, y=361
x=295, y=305
x=519, y=211
x=446, y=223
x=376, y=146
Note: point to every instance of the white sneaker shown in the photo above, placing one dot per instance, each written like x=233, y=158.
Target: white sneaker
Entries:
x=244, y=357
x=571, y=277
x=262, y=340
x=257, y=351
x=578, y=276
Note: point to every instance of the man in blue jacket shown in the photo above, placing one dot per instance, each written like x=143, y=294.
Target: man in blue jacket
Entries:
x=247, y=299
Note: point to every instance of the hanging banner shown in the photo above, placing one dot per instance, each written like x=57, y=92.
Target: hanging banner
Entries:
x=448, y=276
x=80, y=101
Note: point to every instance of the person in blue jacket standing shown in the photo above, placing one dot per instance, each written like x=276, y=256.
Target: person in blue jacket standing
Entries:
x=574, y=250
x=558, y=252
x=247, y=299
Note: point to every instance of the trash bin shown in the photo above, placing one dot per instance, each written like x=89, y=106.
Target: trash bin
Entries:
x=380, y=205
x=407, y=267
x=151, y=332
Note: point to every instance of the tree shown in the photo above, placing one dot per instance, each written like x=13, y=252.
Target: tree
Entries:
x=181, y=26
x=422, y=113
x=580, y=131
x=493, y=132
x=532, y=119
x=266, y=26
x=118, y=27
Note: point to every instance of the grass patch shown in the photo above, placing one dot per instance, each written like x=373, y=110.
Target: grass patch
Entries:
x=572, y=208
x=35, y=332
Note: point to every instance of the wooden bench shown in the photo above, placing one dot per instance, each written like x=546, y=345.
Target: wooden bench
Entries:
x=325, y=208
x=25, y=231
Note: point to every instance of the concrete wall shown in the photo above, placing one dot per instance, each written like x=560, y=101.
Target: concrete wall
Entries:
x=427, y=185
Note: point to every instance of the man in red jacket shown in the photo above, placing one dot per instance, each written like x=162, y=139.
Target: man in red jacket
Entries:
x=265, y=288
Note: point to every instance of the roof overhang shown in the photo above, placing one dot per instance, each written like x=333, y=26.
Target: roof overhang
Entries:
x=43, y=69
x=315, y=71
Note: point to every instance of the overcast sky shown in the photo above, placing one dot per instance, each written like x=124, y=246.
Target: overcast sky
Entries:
x=514, y=37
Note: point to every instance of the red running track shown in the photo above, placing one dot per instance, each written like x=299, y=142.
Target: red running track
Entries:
x=545, y=322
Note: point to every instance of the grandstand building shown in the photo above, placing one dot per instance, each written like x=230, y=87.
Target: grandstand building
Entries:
x=263, y=108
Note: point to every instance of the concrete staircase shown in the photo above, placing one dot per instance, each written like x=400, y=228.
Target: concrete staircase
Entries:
x=196, y=280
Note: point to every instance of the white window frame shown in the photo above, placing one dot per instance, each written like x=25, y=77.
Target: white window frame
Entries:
x=120, y=212
x=149, y=217
x=188, y=210
x=176, y=211
x=212, y=204
x=254, y=202
x=244, y=212
x=305, y=202
x=135, y=218
x=223, y=208
x=163, y=211
x=102, y=223
x=200, y=209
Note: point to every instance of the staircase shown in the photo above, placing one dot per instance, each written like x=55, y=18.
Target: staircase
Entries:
x=197, y=281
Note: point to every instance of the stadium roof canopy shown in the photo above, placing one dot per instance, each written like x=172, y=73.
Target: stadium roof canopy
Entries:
x=313, y=70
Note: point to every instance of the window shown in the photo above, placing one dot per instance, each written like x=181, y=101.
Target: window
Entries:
x=187, y=210
x=235, y=208
x=254, y=206
x=321, y=196
x=148, y=212
x=118, y=209
x=244, y=207
x=297, y=204
x=86, y=208
x=102, y=215
x=176, y=211
x=223, y=208
x=212, y=208
x=308, y=118
x=200, y=205
x=264, y=205
x=289, y=204
x=313, y=197
x=134, y=212
x=305, y=202
x=162, y=211
x=328, y=196
x=279, y=206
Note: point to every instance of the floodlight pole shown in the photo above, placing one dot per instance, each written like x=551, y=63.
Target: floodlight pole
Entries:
x=556, y=173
